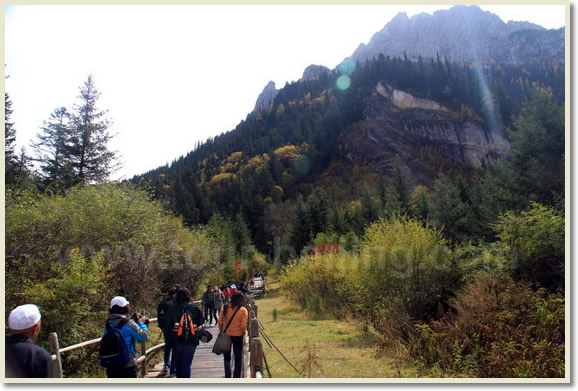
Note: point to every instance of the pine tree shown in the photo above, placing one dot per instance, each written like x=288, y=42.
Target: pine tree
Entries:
x=300, y=232
x=538, y=149
x=242, y=234
x=72, y=146
x=91, y=159
x=9, y=141
x=52, y=149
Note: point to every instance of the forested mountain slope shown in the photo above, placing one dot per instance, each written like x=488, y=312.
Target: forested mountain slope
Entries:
x=371, y=138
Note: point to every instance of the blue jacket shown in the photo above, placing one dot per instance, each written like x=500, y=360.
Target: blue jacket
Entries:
x=132, y=332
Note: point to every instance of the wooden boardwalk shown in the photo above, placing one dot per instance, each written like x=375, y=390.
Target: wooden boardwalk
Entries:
x=206, y=364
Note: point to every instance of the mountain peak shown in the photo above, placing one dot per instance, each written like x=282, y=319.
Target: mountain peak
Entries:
x=462, y=34
x=266, y=97
x=314, y=71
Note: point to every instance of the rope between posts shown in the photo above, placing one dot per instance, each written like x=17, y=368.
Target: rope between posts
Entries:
x=259, y=320
x=277, y=349
x=267, y=365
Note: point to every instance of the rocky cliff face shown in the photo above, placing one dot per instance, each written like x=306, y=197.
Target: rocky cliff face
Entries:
x=266, y=97
x=464, y=33
x=399, y=124
x=314, y=72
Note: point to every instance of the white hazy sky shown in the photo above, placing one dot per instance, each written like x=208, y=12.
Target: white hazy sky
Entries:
x=174, y=75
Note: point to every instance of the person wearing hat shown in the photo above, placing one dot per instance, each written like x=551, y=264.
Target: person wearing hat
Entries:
x=23, y=357
x=132, y=331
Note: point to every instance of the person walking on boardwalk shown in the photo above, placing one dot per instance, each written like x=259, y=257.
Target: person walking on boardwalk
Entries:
x=237, y=315
x=187, y=321
x=219, y=301
x=163, y=310
x=23, y=357
x=132, y=329
x=209, y=304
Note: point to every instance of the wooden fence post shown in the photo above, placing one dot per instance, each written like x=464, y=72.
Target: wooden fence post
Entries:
x=144, y=362
x=255, y=309
x=53, y=339
x=253, y=327
x=249, y=308
x=256, y=350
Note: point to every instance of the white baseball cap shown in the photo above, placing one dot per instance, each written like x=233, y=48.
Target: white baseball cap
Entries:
x=119, y=301
x=23, y=317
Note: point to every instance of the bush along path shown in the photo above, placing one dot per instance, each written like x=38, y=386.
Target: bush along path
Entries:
x=317, y=347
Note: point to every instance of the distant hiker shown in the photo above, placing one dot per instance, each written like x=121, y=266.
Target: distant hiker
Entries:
x=226, y=293
x=237, y=314
x=163, y=310
x=208, y=304
x=131, y=331
x=23, y=357
x=219, y=300
x=187, y=321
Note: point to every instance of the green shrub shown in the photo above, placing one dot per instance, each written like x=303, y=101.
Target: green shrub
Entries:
x=71, y=254
x=500, y=328
x=537, y=244
x=323, y=283
x=407, y=263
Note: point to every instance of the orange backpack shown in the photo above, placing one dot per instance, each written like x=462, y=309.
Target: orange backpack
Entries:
x=185, y=329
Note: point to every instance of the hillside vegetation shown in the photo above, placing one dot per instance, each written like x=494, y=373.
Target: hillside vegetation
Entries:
x=459, y=311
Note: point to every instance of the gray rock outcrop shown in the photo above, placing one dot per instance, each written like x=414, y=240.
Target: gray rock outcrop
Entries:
x=314, y=72
x=397, y=124
x=266, y=97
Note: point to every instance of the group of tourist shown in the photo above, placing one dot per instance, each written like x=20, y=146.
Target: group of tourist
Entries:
x=218, y=306
x=176, y=313
x=214, y=298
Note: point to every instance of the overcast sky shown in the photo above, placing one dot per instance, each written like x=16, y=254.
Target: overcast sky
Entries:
x=174, y=75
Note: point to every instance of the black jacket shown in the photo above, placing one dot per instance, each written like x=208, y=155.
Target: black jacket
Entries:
x=163, y=310
x=26, y=359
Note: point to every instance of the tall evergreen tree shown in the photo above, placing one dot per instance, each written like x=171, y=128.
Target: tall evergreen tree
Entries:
x=9, y=141
x=538, y=149
x=300, y=232
x=52, y=149
x=90, y=157
x=72, y=146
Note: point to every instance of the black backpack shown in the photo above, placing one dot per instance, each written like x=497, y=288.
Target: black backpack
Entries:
x=185, y=330
x=163, y=312
x=114, y=351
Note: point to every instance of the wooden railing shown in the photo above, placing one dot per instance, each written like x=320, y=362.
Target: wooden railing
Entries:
x=56, y=351
x=254, y=356
x=253, y=348
x=54, y=347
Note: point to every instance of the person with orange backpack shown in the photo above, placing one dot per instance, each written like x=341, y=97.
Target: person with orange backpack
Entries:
x=187, y=321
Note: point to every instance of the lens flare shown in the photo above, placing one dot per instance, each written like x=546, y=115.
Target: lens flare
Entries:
x=491, y=113
x=343, y=82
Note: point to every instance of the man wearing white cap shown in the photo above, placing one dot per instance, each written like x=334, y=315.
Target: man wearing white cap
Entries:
x=23, y=357
x=131, y=330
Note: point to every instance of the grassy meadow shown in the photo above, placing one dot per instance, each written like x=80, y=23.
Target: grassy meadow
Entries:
x=325, y=348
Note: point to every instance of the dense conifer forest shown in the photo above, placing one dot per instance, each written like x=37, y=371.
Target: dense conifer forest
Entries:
x=286, y=157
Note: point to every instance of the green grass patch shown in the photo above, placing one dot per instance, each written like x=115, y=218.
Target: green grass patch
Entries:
x=322, y=347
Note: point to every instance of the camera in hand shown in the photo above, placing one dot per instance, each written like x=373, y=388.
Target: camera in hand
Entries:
x=136, y=316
